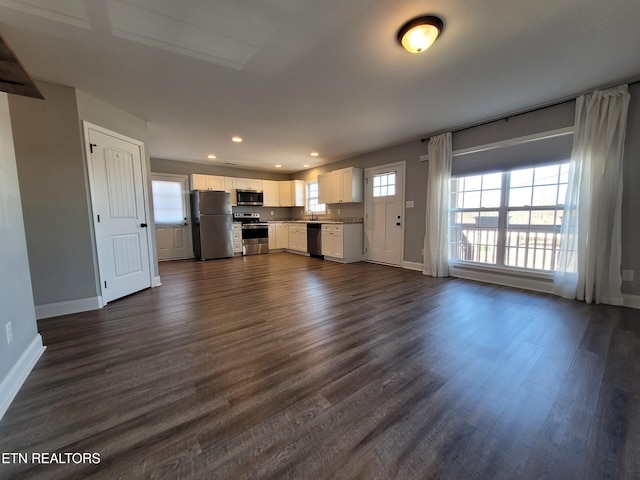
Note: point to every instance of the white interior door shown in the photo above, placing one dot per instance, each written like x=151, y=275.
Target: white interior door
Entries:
x=120, y=219
x=171, y=216
x=384, y=222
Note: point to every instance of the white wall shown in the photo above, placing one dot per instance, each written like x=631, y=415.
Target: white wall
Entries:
x=16, y=297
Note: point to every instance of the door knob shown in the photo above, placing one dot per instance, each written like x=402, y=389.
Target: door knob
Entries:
x=143, y=225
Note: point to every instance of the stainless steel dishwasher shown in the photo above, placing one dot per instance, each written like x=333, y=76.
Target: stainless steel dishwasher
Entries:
x=314, y=239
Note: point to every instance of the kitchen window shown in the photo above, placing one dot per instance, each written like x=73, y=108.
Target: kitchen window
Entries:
x=312, y=198
x=509, y=219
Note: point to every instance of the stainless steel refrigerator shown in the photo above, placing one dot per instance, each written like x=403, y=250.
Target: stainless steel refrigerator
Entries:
x=211, y=215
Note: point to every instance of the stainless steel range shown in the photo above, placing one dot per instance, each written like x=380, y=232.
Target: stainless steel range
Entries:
x=255, y=234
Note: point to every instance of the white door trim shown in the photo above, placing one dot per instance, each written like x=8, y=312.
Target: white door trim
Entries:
x=86, y=126
x=367, y=199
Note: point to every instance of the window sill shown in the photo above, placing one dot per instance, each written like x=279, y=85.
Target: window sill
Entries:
x=512, y=277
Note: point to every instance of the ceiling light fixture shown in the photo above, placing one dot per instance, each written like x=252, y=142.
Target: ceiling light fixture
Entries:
x=278, y=166
x=419, y=33
x=212, y=157
x=306, y=166
x=236, y=139
x=314, y=154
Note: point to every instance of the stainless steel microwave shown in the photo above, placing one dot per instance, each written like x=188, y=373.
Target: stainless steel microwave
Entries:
x=249, y=197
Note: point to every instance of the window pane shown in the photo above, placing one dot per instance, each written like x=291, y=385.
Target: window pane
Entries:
x=491, y=198
x=562, y=194
x=312, y=198
x=473, y=183
x=547, y=195
x=384, y=185
x=522, y=178
x=492, y=180
x=167, y=203
x=546, y=175
x=471, y=200
x=564, y=173
x=519, y=197
x=519, y=217
x=543, y=217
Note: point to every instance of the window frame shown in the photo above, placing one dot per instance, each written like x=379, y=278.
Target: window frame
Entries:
x=307, y=198
x=503, y=210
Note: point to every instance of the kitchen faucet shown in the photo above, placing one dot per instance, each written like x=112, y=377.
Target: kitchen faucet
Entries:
x=311, y=219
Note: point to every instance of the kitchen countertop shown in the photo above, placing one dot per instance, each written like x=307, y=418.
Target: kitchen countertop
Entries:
x=337, y=222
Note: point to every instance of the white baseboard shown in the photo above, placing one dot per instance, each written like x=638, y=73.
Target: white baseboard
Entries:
x=16, y=377
x=413, y=266
x=48, y=310
x=156, y=281
x=631, y=301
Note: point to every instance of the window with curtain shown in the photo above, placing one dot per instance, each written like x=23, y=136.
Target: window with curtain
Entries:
x=312, y=198
x=509, y=219
x=168, y=207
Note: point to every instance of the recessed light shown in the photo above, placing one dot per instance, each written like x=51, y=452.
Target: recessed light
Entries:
x=314, y=154
x=278, y=166
x=212, y=157
x=306, y=166
x=236, y=139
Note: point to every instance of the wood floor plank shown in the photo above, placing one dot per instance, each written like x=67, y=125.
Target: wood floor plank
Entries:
x=282, y=366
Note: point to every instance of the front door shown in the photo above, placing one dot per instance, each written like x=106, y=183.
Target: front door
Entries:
x=384, y=222
x=171, y=216
x=120, y=220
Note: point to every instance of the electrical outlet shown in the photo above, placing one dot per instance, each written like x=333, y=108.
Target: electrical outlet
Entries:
x=9, y=333
x=328, y=211
x=338, y=211
x=272, y=213
x=627, y=275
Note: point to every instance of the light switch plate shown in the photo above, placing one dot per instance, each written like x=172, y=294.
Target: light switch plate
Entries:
x=409, y=204
x=627, y=275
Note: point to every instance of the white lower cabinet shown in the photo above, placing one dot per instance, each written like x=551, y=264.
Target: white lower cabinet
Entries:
x=298, y=237
x=343, y=242
x=236, y=230
x=282, y=235
x=272, y=236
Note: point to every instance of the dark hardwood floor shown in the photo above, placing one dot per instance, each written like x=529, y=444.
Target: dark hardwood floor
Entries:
x=287, y=367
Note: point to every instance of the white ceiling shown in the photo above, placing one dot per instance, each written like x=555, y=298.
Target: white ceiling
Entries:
x=295, y=76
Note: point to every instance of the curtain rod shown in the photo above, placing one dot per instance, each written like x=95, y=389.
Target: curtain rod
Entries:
x=517, y=114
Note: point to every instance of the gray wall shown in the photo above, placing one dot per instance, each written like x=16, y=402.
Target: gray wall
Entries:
x=415, y=189
x=16, y=298
x=55, y=191
x=159, y=165
x=631, y=195
x=54, y=195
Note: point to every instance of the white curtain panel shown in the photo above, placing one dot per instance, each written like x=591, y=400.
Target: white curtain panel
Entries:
x=436, y=241
x=590, y=254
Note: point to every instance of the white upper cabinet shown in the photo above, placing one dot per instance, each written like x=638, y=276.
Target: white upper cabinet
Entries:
x=248, y=184
x=341, y=186
x=324, y=188
x=297, y=189
x=271, y=194
x=284, y=192
x=207, y=182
